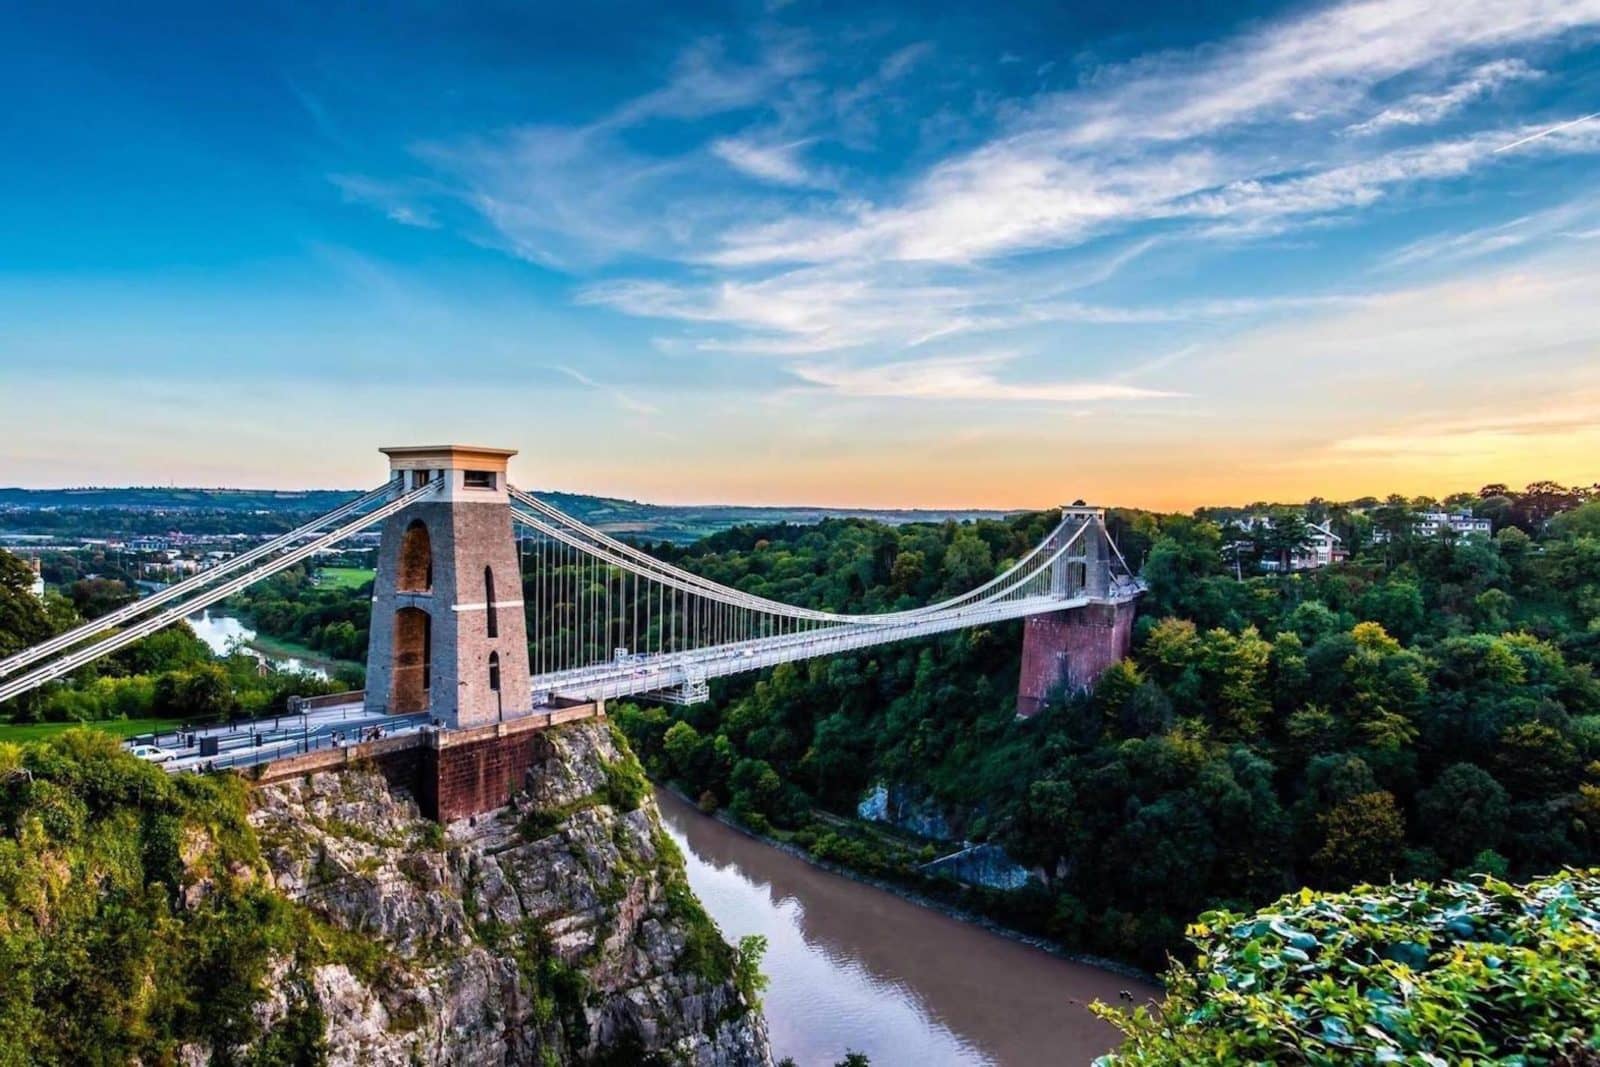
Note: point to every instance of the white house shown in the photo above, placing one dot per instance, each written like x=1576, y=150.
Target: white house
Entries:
x=1433, y=524
x=1321, y=548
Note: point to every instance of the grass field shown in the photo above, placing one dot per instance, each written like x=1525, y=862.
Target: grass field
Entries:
x=343, y=577
x=119, y=728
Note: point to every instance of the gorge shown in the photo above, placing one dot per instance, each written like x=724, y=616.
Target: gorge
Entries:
x=322, y=919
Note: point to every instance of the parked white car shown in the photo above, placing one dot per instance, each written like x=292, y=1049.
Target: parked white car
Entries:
x=153, y=753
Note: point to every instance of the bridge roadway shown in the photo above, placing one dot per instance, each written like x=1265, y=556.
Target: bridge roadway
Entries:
x=636, y=675
x=631, y=675
x=243, y=744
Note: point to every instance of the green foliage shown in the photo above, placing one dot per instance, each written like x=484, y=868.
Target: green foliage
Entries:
x=134, y=913
x=1416, y=973
x=23, y=621
x=1428, y=708
x=704, y=953
x=626, y=785
x=328, y=613
x=747, y=974
x=170, y=676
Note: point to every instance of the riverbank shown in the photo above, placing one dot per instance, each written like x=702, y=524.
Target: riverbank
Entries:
x=278, y=648
x=921, y=899
x=228, y=631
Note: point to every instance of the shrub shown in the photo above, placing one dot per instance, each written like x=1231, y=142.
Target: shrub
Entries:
x=626, y=784
x=1488, y=973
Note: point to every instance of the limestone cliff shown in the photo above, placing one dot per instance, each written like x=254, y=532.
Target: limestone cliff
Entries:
x=558, y=930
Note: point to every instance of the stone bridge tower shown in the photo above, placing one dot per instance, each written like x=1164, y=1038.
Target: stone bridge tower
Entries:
x=1068, y=650
x=448, y=634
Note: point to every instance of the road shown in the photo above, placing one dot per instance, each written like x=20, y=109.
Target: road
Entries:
x=241, y=744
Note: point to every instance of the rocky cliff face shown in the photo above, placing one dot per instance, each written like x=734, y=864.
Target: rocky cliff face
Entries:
x=559, y=930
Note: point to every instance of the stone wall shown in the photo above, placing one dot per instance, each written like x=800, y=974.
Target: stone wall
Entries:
x=469, y=772
x=1067, y=651
x=451, y=773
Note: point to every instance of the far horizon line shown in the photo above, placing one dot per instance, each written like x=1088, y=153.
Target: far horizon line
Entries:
x=919, y=508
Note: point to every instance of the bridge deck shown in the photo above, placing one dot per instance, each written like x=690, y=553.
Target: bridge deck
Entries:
x=640, y=674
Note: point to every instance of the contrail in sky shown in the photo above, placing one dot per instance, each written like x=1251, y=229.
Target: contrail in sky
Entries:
x=1547, y=133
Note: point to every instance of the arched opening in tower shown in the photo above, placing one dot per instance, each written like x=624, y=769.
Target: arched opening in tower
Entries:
x=413, y=657
x=416, y=560
x=490, y=622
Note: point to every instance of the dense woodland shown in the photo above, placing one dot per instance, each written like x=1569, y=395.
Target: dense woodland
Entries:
x=1428, y=709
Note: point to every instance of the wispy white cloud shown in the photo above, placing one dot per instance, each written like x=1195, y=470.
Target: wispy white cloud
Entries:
x=825, y=309
x=1423, y=109
x=1234, y=133
x=1484, y=433
x=1318, y=65
x=1011, y=197
x=778, y=163
x=1483, y=346
x=705, y=80
x=969, y=378
x=1261, y=135
x=1560, y=223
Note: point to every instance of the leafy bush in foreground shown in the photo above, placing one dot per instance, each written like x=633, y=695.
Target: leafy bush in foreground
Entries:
x=1413, y=973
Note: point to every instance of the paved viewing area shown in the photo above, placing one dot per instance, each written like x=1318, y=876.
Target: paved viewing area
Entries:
x=243, y=743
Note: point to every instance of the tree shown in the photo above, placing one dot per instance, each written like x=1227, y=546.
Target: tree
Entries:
x=1363, y=839
x=23, y=622
x=1236, y=673
x=1284, y=536
x=1582, y=521
x=747, y=974
x=1313, y=620
x=1046, y=827
x=1535, y=759
x=682, y=746
x=94, y=597
x=1542, y=500
x=1385, y=684
x=1185, y=551
x=968, y=563
x=906, y=572
x=206, y=694
x=1397, y=605
x=1394, y=519
x=1464, y=812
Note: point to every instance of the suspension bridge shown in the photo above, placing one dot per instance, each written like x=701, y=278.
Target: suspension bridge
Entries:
x=491, y=605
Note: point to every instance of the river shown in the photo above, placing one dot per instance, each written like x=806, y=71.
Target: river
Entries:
x=224, y=634
x=855, y=967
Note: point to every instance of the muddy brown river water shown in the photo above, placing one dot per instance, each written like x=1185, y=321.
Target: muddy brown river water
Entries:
x=854, y=967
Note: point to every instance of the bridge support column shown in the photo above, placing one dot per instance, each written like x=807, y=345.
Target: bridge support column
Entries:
x=448, y=635
x=1068, y=651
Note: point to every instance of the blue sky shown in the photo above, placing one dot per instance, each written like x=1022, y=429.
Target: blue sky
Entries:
x=800, y=252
